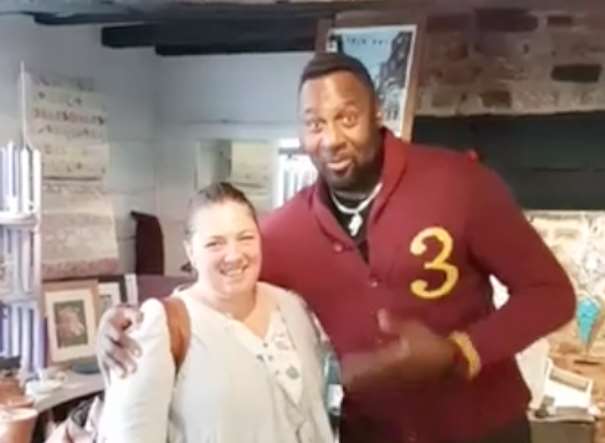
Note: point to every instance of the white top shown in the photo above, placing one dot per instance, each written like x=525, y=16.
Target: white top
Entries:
x=223, y=393
x=276, y=351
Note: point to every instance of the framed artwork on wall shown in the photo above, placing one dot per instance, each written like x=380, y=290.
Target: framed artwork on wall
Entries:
x=72, y=313
x=389, y=47
x=112, y=292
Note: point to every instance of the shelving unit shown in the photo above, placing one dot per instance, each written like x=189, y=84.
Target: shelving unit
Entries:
x=20, y=210
x=21, y=314
x=21, y=322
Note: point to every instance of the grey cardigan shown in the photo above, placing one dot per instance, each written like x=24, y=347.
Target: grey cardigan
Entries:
x=222, y=393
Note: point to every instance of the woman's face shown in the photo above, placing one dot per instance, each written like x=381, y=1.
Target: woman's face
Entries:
x=225, y=249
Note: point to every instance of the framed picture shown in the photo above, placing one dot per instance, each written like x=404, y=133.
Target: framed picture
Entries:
x=112, y=291
x=71, y=312
x=132, y=289
x=389, y=49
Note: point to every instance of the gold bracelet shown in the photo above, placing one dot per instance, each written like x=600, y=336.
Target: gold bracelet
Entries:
x=464, y=343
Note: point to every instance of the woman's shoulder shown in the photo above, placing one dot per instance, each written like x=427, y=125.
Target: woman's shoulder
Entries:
x=287, y=300
x=280, y=294
x=294, y=304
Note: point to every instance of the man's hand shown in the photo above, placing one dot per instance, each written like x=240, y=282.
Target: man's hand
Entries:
x=115, y=349
x=417, y=355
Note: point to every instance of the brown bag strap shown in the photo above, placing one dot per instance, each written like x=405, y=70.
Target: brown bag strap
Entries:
x=179, y=327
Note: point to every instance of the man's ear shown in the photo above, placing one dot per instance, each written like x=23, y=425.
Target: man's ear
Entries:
x=379, y=114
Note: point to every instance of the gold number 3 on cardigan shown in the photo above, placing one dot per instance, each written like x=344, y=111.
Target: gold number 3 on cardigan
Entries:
x=439, y=263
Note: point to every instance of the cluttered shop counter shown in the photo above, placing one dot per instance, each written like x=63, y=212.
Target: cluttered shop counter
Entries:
x=28, y=417
x=50, y=398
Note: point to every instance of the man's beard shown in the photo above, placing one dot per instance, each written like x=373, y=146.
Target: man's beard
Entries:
x=361, y=181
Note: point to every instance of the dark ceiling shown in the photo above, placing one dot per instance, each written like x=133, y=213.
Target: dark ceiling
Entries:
x=200, y=27
x=181, y=28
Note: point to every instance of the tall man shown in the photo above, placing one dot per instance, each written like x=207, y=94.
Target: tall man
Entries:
x=393, y=248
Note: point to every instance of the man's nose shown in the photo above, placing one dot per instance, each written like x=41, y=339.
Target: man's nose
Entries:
x=333, y=138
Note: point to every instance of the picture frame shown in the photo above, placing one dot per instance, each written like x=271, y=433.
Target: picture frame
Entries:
x=389, y=46
x=132, y=289
x=112, y=292
x=71, y=310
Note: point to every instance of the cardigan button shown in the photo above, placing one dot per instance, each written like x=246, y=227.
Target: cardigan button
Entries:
x=337, y=247
x=411, y=437
x=373, y=282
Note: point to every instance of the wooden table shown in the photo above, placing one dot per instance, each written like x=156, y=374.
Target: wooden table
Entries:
x=54, y=406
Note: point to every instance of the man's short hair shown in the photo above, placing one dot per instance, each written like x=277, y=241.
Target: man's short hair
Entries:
x=326, y=63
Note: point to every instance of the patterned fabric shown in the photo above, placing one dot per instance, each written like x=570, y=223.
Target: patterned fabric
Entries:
x=276, y=351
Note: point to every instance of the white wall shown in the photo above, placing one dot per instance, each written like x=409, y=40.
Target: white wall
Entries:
x=203, y=100
x=125, y=79
x=233, y=89
x=159, y=142
x=166, y=115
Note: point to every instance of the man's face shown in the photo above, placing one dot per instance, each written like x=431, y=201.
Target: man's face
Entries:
x=340, y=128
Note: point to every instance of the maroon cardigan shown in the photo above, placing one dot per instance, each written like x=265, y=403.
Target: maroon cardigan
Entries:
x=455, y=202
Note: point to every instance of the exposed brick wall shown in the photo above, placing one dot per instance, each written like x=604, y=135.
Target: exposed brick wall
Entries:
x=512, y=61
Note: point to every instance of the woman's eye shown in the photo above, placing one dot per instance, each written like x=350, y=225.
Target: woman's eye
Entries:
x=313, y=125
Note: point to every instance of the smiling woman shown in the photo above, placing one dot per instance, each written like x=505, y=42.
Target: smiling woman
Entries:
x=255, y=357
x=223, y=246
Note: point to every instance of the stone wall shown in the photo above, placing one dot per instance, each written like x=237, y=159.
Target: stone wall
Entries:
x=512, y=61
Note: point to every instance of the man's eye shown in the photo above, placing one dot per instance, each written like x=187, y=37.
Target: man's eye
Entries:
x=350, y=119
